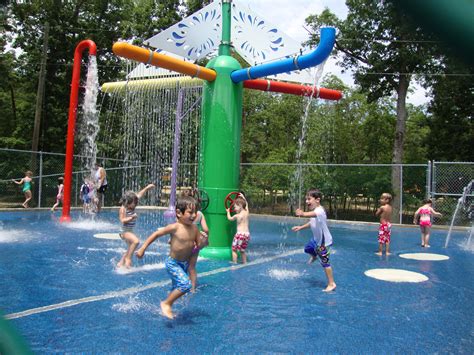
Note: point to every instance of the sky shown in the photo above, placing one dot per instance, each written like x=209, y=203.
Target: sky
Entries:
x=289, y=16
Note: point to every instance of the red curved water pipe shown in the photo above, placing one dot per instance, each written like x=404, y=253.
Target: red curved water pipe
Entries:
x=76, y=76
x=294, y=89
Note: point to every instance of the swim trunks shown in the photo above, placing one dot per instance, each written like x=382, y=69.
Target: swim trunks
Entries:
x=320, y=251
x=385, y=233
x=240, y=242
x=178, y=271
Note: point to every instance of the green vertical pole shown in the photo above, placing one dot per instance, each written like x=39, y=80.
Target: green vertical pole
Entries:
x=219, y=160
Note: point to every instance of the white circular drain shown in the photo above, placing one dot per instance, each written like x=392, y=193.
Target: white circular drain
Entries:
x=107, y=236
x=396, y=275
x=424, y=256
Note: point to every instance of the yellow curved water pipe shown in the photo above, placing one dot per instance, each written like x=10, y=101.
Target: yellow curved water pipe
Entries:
x=148, y=56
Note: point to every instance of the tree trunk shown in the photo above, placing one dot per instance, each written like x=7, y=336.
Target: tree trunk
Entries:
x=397, y=156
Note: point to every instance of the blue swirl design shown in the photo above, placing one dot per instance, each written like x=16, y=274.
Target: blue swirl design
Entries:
x=203, y=22
x=275, y=40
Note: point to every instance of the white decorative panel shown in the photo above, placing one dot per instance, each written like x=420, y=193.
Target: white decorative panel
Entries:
x=258, y=40
x=194, y=37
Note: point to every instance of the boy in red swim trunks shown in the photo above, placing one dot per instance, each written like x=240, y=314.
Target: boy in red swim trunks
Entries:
x=242, y=237
x=385, y=213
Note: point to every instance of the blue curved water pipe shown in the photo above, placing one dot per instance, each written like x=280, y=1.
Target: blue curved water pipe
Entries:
x=316, y=57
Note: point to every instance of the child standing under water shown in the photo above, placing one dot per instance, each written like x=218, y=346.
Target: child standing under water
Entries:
x=26, y=182
x=184, y=237
x=59, y=195
x=128, y=217
x=423, y=214
x=242, y=237
x=321, y=242
x=385, y=228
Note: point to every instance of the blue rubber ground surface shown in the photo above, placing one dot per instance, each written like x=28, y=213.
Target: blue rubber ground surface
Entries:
x=272, y=305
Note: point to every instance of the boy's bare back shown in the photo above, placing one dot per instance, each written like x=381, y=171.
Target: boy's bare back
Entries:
x=385, y=213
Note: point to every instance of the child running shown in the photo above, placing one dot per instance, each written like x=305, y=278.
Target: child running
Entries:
x=242, y=237
x=26, y=182
x=59, y=195
x=184, y=237
x=423, y=214
x=385, y=228
x=320, y=244
x=128, y=217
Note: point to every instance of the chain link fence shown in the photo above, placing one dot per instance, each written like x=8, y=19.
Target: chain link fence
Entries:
x=351, y=191
x=448, y=182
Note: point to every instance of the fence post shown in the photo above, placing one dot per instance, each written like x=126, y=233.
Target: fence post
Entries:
x=433, y=181
x=40, y=182
x=401, y=194
x=428, y=180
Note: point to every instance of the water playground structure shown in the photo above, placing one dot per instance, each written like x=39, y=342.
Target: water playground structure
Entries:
x=223, y=80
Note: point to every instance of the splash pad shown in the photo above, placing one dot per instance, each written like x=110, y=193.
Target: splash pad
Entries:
x=223, y=82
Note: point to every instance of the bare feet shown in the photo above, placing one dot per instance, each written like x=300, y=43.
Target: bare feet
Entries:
x=312, y=259
x=128, y=263
x=330, y=288
x=427, y=246
x=388, y=253
x=166, y=310
x=379, y=253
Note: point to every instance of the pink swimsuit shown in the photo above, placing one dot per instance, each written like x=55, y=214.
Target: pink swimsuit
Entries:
x=425, y=222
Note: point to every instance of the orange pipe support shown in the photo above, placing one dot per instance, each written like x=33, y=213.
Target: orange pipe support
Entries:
x=147, y=56
x=294, y=89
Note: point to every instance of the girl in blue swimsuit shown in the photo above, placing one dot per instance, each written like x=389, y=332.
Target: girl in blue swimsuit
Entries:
x=26, y=182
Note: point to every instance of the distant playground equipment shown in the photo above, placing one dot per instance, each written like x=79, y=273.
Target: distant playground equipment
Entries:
x=223, y=80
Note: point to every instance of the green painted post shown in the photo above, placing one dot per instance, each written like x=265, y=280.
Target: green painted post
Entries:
x=219, y=161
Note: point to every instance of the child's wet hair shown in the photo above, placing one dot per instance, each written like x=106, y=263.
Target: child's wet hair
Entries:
x=427, y=200
x=185, y=202
x=128, y=198
x=316, y=193
x=60, y=180
x=240, y=201
x=28, y=173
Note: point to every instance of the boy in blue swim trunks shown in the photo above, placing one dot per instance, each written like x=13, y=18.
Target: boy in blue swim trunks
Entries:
x=319, y=246
x=184, y=237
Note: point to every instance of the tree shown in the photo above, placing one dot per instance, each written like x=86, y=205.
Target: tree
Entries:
x=103, y=21
x=385, y=49
x=451, y=127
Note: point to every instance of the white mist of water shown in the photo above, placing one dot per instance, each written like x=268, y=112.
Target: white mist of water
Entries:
x=146, y=116
x=297, y=181
x=88, y=224
x=90, y=121
x=282, y=274
x=15, y=236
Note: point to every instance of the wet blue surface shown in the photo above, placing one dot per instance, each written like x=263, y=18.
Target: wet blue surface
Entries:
x=276, y=306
